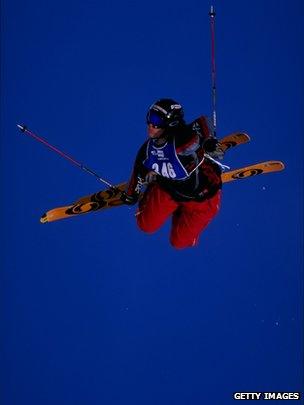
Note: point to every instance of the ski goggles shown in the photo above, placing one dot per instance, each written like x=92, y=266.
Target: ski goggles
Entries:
x=154, y=118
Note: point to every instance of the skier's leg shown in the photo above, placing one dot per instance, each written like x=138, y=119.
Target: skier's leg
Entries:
x=154, y=208
x=191, y=219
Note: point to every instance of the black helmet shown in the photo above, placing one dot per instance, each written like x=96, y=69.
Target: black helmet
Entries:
x=165, y=113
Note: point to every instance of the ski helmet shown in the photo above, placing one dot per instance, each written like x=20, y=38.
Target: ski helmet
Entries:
x=165, y=113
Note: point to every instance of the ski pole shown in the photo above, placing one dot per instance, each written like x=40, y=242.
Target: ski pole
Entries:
x=25, y=130
x=213, y=68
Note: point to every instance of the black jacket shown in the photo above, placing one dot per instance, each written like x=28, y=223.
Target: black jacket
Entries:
x=204, y=176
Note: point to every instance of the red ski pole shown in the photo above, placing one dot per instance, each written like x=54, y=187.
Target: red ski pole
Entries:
x=25, y=130
x=213, y=67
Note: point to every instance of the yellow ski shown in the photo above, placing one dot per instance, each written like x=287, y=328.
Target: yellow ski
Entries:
x=111, y=197
x=253, y=170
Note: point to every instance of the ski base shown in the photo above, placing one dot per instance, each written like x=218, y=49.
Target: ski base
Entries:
x=253, y=170
x=102, y=200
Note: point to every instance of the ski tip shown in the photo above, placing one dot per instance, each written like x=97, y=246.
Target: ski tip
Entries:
x=22, y=127
x=277, y=164
x=242, y=136
x=246, y=136
x=44, y=219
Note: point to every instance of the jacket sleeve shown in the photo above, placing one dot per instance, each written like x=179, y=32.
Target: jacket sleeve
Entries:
x=194, y=135
x=138, y=174
x=203, y=126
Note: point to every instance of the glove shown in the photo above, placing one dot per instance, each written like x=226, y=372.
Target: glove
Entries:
x=128, y=199
x=213, y=147
x=151, y=177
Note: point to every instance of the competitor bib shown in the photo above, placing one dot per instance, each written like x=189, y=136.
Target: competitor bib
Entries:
x=164, y=161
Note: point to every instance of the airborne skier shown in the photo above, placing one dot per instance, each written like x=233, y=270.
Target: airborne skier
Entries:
x=178, y=162
x=183, y=181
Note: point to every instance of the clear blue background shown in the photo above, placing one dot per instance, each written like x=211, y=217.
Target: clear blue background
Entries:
x=92, y=310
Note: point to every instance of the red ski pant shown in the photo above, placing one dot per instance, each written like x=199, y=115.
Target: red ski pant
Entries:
x=189, y=218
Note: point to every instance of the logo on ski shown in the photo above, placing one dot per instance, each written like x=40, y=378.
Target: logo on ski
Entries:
x=253, y=170
x=247, y=173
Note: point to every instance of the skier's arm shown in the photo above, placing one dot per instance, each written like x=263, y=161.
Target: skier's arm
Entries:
x=199, y=134
x=193, y=136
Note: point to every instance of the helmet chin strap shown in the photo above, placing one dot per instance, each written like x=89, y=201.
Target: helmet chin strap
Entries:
x=161, y=138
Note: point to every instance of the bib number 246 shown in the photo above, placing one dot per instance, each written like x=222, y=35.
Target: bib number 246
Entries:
x=166, y=170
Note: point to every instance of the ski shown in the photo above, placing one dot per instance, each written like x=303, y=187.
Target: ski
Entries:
x=253, y=170
x=111, y=197
x=99, y=201
x=234, y=139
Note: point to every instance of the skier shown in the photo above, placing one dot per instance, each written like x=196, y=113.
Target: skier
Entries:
x=177, y=161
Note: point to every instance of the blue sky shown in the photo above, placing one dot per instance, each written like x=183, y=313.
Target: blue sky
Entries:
x=93, y=310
